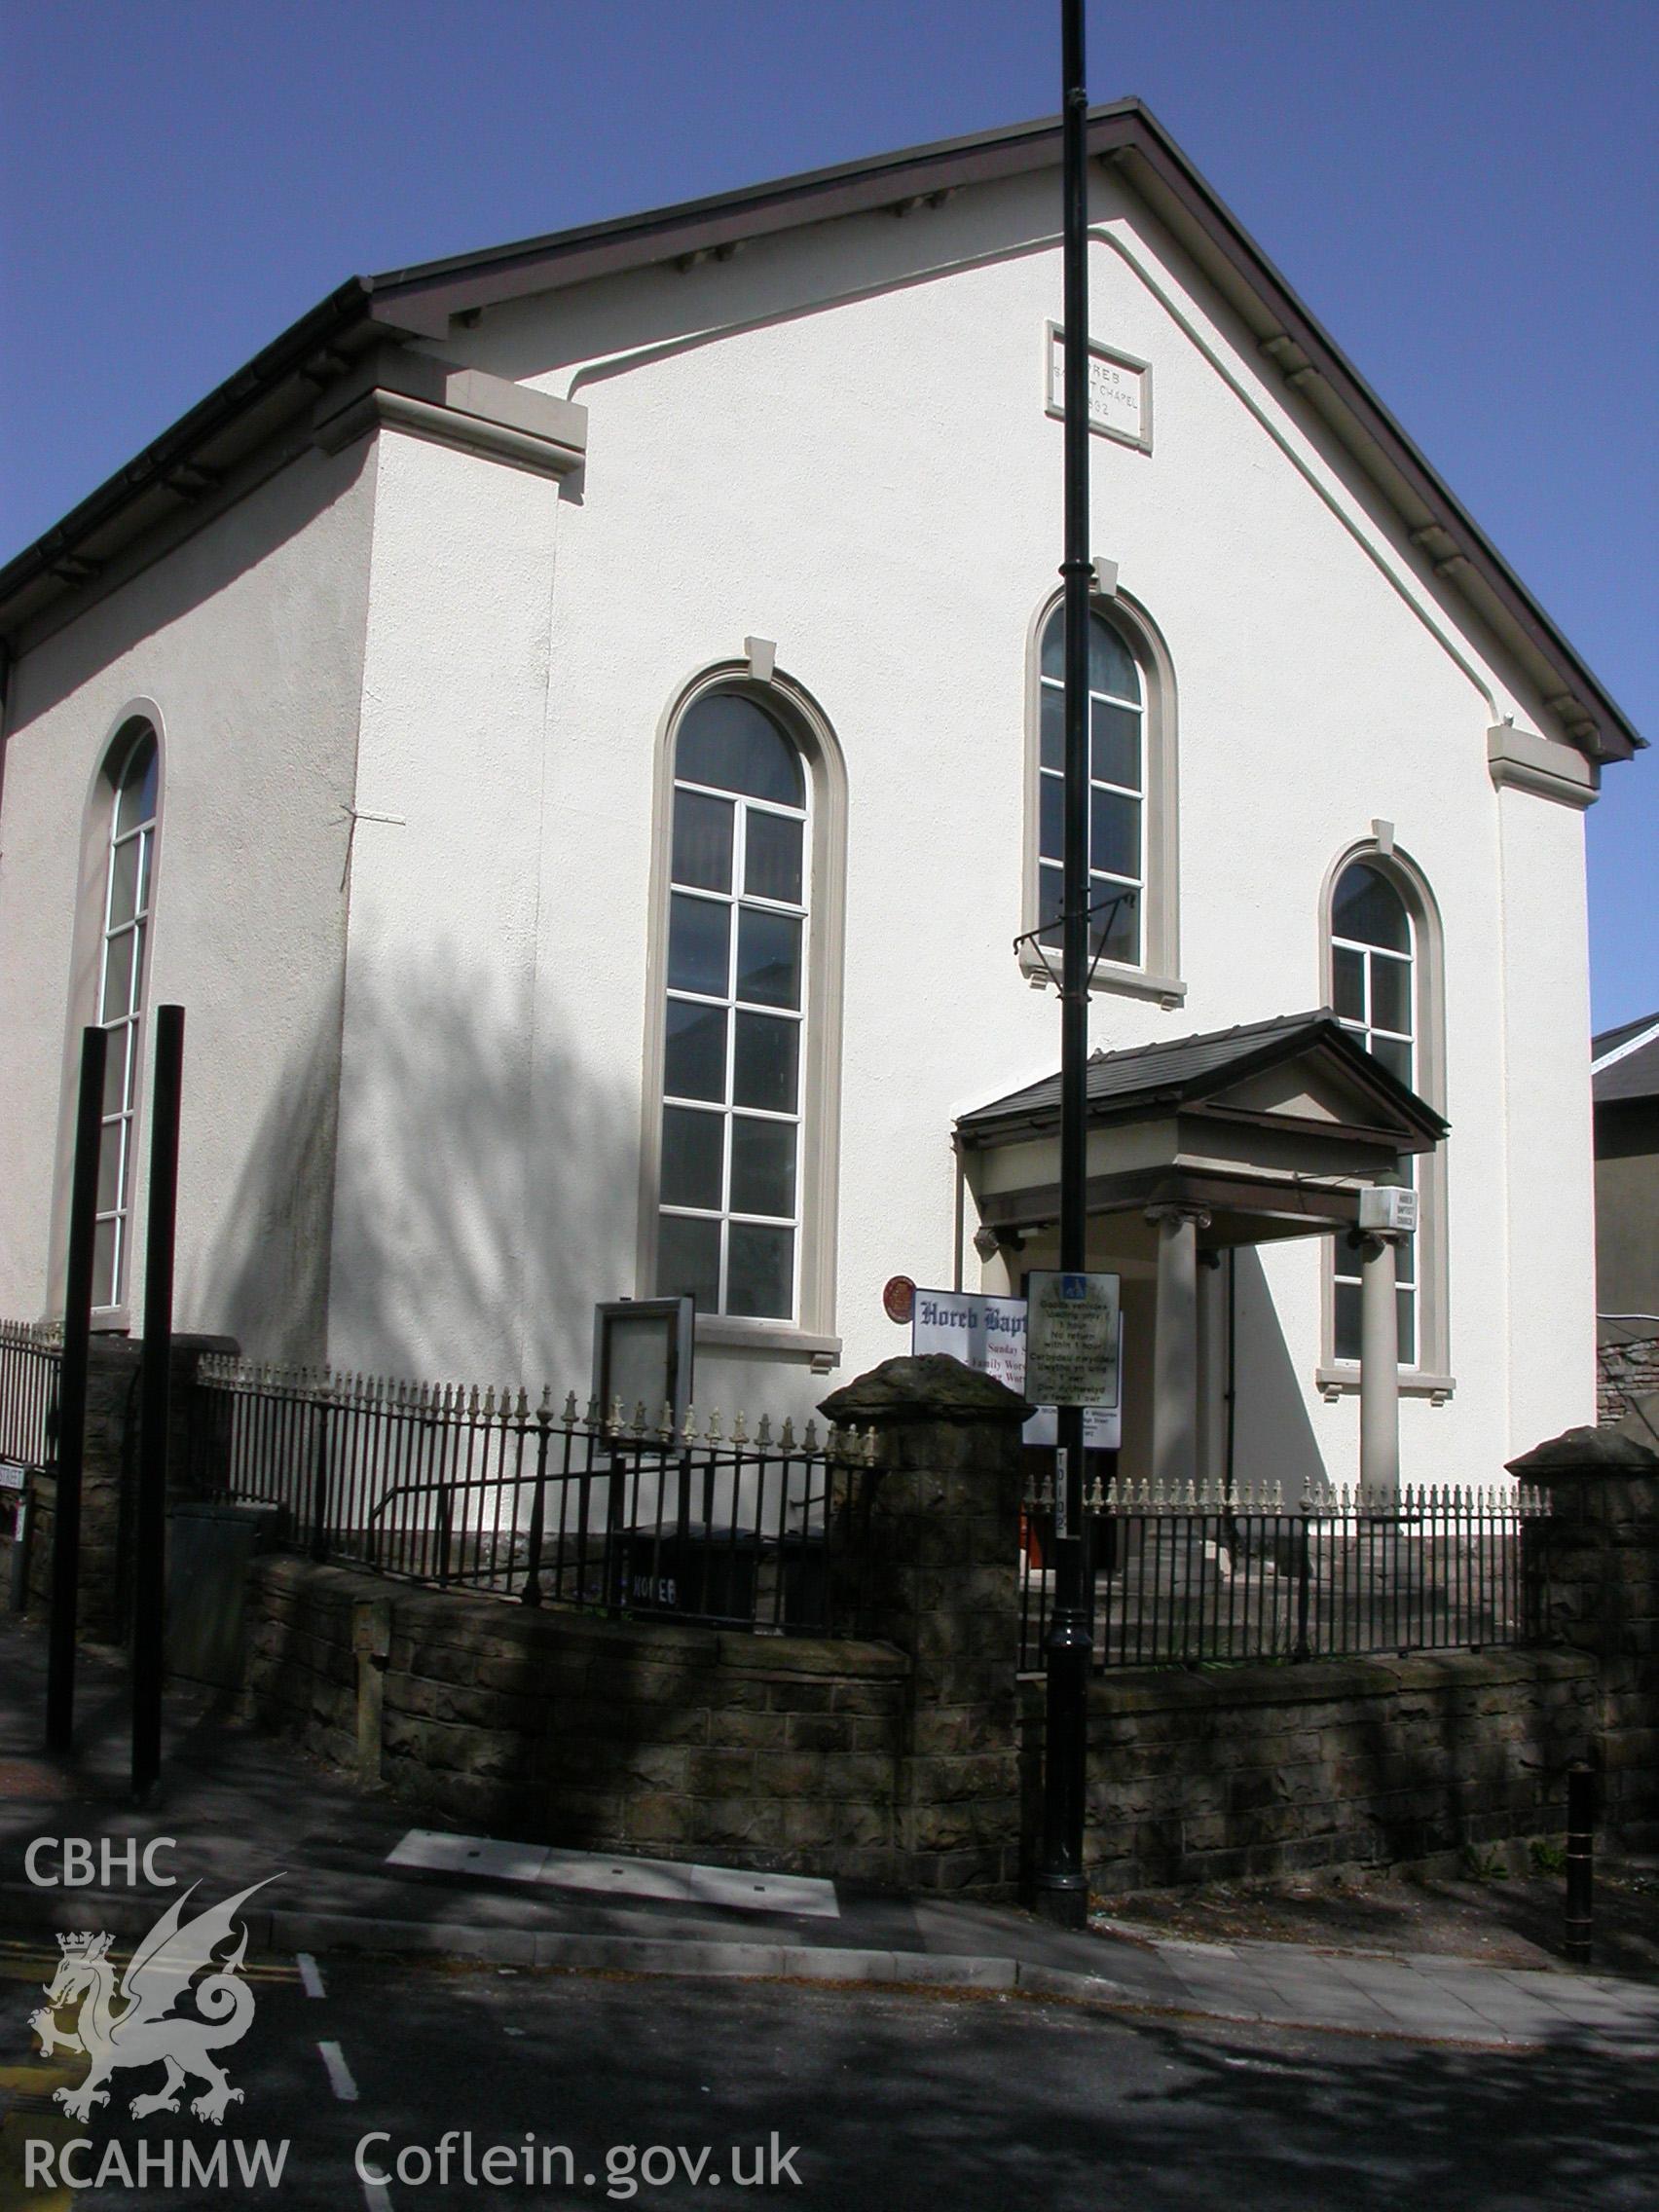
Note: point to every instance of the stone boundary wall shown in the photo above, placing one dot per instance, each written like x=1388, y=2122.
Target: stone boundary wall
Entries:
x=1273, y=1770
x=1593, y=1560
x=781, y=1753
x=108, y=1461
x=1624, y=1374
x=911, y=1757
x=108, y=1476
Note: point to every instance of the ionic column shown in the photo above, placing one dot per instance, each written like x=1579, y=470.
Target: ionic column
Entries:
x=1175, y=1345
x=1378, y=1363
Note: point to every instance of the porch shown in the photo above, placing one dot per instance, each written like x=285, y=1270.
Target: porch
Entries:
x=1197, y=1149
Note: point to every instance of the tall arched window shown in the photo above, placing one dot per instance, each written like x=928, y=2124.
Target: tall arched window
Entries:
x=741, y=1139
x=132, y=770
x=1132, y=804
x=1117, y=790
x=1373, y=988
x=1383, y=978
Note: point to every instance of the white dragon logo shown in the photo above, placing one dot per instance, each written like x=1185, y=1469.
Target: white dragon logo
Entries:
x=144, y=2031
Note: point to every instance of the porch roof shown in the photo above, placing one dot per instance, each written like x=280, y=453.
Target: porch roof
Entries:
x=1270, y=1129
x=1181, y=1071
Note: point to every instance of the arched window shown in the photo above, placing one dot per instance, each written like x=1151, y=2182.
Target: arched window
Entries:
x=1384, y=971
x=744, y=1138
x=1131, y=805
x=1373, y=956
x=132, y=771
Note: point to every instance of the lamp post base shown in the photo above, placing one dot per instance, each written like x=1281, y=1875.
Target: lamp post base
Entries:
x=1061, y=1903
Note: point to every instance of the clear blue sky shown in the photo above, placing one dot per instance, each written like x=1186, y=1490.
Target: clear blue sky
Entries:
x=1465, y=193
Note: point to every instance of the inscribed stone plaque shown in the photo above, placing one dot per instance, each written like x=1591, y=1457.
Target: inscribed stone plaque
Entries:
x=1119, y=391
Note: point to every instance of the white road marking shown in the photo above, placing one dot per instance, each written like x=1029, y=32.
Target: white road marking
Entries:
x=310, y=1975
x=736, y=1889
x=339, y=2073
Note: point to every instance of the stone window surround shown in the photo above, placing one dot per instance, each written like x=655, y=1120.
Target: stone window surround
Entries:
x=124, y=1029
x=1158, y=973
x=85, y=979
x=1431, y=1378
x=811, y=1337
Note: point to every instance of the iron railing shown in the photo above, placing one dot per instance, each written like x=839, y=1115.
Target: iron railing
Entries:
x=31, y=1364
x=463, y=1488
x=1208, y=1577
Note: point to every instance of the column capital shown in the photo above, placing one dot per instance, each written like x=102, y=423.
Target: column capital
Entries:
x=1377, y=1238
x=1178, y=1209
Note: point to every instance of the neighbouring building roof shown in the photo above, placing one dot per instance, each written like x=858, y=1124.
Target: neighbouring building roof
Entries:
x=1187, y=1069
x=280, y=384
x=1624, y=1062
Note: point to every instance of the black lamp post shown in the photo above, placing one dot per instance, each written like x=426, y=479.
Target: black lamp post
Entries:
x=1062, y=1887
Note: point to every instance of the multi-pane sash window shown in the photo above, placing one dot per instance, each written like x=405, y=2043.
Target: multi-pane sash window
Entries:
x=1373, y=988
x=730, y=1226
x=121, y=1002
x=1117, y=790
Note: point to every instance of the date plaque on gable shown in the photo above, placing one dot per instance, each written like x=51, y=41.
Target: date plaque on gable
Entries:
x=1119, y=391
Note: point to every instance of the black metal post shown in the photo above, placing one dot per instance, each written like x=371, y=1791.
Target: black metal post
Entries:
x=530, y=1594
x=150, y=1549
x=1580, y=1861
x=1062, y=1887
x=320, y=1487
x=73, y=1396
x=1303, y=1540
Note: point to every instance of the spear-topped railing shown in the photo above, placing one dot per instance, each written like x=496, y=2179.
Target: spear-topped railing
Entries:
x=549, y=1502
x=1206, y=1575
x=31, y=1364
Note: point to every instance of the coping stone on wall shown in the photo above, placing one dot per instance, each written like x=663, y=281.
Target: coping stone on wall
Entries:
x=927, y=1386
x=1592, y=1451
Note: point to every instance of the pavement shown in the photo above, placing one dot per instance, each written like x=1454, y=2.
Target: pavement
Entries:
x=348, y=1871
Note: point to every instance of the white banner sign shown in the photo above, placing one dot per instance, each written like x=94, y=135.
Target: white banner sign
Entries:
x=989, y=1335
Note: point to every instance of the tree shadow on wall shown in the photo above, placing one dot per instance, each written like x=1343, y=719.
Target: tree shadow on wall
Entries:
x=447, y=1202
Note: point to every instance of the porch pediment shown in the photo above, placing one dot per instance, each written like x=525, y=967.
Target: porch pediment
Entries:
x=1273, y=1127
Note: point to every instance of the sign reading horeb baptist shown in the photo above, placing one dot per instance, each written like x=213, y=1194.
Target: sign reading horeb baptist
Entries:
x=989, y=1335
x=1071, y=1349
x=986, y=1334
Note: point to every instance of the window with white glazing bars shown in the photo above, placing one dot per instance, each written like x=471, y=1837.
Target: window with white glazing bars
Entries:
x=1373, y=988
x=133, y=772
x=728, y=1231
x=1117, y=790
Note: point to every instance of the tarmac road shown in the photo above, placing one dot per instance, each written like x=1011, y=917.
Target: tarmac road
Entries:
x=885, y=2101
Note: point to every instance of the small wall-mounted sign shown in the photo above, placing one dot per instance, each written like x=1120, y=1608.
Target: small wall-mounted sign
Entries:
x=11, y=1475
x=1071, y=1357
x=899, y=1299
x=643, y=1354
x=1119, y=391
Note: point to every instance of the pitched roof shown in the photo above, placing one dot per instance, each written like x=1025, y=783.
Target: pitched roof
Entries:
x=282, y=382
x=1185, y=1070
x=1624, y=1062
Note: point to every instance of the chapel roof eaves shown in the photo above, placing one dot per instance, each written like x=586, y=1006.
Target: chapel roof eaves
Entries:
x=421, y=301
x=1624, y=1063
